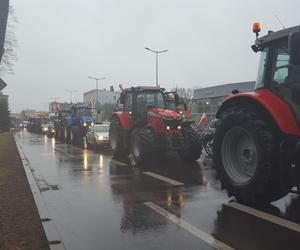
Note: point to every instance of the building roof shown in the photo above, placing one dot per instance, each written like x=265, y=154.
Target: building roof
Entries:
x=102, y=91
x=223, y=90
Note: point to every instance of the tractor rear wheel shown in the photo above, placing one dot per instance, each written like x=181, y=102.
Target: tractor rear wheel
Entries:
x=246, y=156
x=116, y=137
x=194, y=147
x=141, y=145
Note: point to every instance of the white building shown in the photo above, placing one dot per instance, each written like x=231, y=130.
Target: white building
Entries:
x=104, y=96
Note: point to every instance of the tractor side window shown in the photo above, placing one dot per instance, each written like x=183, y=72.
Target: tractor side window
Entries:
x=281, y=66
x=261, y=69
x=128, y=102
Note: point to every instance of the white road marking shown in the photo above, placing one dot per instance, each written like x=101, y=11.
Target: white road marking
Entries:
x=265, y=216
x=165, y=179
x=119, y=163
x=190, y=228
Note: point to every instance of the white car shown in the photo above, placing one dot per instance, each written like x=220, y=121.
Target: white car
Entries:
x=45, y=128
x=98, y=135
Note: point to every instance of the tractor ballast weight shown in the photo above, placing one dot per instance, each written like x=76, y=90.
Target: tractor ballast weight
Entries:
x=257, y=141
x=145, y=127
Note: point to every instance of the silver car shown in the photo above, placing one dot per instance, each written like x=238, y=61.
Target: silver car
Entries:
x=98, y=135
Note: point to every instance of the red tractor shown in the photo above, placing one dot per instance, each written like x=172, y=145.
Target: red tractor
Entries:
x=144, y=128
x=257, y=140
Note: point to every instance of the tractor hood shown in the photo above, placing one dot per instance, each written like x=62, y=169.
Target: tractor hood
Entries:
x=165, y=113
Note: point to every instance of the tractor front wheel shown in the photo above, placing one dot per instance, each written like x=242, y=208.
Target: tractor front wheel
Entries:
x=116, y=137
x=192, y=151
x=246, y=156
x=141, y=145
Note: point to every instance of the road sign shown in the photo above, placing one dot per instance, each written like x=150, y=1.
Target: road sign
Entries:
x=2, y=84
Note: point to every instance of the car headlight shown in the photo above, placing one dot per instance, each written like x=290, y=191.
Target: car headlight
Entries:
x=84, y=124
x=100, y=137
x=45, y=129
x=52, y=130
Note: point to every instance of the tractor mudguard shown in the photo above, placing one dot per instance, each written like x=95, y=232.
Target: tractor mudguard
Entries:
x=124, y=119
x=278, y=109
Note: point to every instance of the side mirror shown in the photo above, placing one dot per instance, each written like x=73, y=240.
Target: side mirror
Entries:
x=294, y=48
x=122, y=98
x=176, y=98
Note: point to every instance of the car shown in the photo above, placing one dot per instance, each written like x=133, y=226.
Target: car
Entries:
x=45, y=128
x=98, y=135
x=51, y=131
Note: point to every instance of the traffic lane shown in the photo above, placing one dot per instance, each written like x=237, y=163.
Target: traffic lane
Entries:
x=102, y=204
x=204, y=205
x=198, y=202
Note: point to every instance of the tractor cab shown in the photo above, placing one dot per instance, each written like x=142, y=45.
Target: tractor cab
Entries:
x=144, y=102
x=279, y=66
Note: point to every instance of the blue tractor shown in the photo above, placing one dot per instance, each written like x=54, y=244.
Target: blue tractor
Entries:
x=77, y=122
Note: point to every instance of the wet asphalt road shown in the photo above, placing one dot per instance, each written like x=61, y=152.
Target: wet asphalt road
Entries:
x=99, y=203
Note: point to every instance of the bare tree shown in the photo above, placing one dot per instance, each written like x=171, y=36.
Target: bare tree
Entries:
x=10, y=44
x=186, y=94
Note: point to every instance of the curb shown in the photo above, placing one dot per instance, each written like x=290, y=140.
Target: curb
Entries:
x=51, y=232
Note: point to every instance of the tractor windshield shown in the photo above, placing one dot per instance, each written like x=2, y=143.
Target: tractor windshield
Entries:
x=262, y=68
x=151, y=99
x=83, y=112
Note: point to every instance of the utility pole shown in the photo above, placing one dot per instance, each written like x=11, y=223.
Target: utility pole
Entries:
x=71, y=91
x=156, y=59
x=97, y=94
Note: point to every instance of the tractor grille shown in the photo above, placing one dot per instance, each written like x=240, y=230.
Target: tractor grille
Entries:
x=173, y=123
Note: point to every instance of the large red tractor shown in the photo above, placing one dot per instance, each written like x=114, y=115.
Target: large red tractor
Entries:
x=257, y=140
x=144, y=128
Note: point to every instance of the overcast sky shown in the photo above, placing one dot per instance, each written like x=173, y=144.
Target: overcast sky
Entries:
x=61, y=42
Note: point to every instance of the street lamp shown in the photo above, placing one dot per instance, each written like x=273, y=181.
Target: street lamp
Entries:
x=55, y=98
x=156, y=54
x=97, y=97
x=71, y=91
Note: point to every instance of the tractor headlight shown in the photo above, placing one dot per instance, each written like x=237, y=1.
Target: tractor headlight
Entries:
x=100, y=137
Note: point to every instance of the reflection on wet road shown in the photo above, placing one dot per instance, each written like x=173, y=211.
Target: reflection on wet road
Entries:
x=97, y=202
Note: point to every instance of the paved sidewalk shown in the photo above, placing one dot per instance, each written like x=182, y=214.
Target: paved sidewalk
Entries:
x=20, y=224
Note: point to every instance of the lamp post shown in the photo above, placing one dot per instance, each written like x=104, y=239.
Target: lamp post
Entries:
x=156, y=57
x=71, y=91
x=97, y=97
